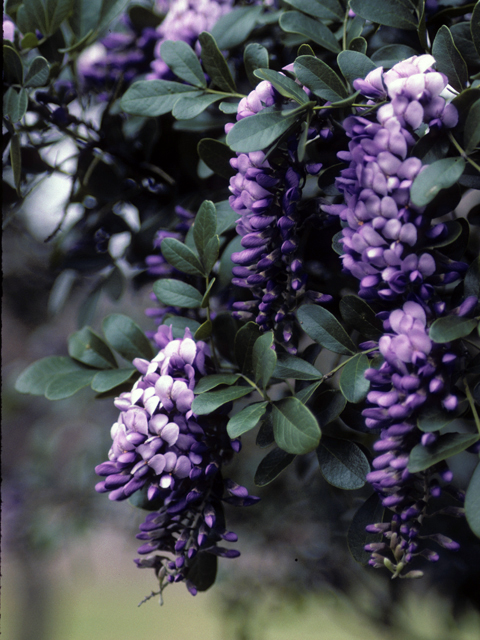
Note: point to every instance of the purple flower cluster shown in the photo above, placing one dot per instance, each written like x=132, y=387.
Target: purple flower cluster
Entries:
x=162, y=448
x=185, y=20
x=266, y=196
x=385, y=234
x=414, y=370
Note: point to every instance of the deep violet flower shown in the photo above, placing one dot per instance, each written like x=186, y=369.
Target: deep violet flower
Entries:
x=162, y=449
x=266, y=196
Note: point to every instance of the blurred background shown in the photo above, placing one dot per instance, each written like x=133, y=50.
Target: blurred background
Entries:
x=68, y=571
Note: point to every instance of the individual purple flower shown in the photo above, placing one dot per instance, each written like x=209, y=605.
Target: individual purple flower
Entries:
x=266, y=196
x=161, y=448
x=386, y=236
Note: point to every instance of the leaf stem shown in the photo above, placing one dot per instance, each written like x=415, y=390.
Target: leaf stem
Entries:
x=225, y=93
x=471, y=402
x=462, y=151
x=342, y=364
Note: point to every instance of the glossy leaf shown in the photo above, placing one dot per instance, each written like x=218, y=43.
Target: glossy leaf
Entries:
x=244, y=342
x=154, y=97
x=472, y=502
x=87, y=347
x=449, y=60
x=294, y=426
x=259, y=131
x=216, y=156
x=272, y=465
x=360, y=316
x=342, y=463
x=63, y=386
x=471, y=133
x=246, y=419
x=107, y=380
x=439, y=175
x=353, y=383
x=324, y=328
x=287, y=87
x=451, y=328
x=320, y=78
x=126, y=337
x=181, y=257
x=392, y=13
x=207, y=402
x=216, y=379
x=371, y=512
x=235, y=26
x=177, y=294
x=255, y=57
x=215, y=64
x=289, y=366
x=183, y=61
x=295, y=22
x=354, y=65
x=264, y=359
x=36, y=377
x=447, y=445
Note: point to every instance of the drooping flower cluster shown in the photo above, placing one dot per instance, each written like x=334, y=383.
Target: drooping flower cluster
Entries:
x=386, y=233
x=266, y=196
x=185, y=20
x=162, y=449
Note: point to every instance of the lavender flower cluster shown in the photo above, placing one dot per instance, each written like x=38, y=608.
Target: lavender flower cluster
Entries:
x=384, y=241
x=161, y=447
x=266, y=196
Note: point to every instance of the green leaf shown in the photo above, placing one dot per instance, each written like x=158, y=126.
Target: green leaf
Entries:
x=319, y=78
x=202, y=571
x=289, y=366
x=246, y=419
x=342, y=463
x=179, y=325
x=359, y=45
x=449, y=59
x=471, y=283
x=447, y=445
x=29, y=41
x=391, y=54
x=66, y=385
x=439, y=175
x=471, y=133
x=353, y=383
x=229, y=107
x=87, y=347
x=392, y=13
x=36, y=377
x=235, y=26
x=207, y=402
x=265, y=436
x=94, y=15
x=451, y=328
x=243, y=347
x=328, y=406
x=255, y=57
x=472, y=501
x=325, y=329
x=323, y=9
x=56, y=12
x=216, y=156
x=371, y=512
x=434, y=419
x=154, y=97
x=14, y=106
x=16, y=161
x=272, y=465
x=210, y=382
x=204, y=331
x=177, y=294
x=295, y=22
x=38, y=72
x=107, y=380
x=183, y=61
x=205, y=227
x=190, y=106
x=226, y=264
x=305, y=394
x=354, y=29
x=475, y=27
x=181, y=257
x=31, y=16
x=294, y=426
x=264, y=359
x=13, y=65
x=215, y=64
x=206, y=295
x=126, y=337
x=354, y=65
x=287, y=87
x=259, y=131
x=358, y=315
